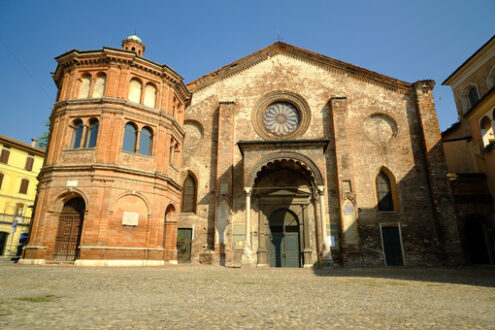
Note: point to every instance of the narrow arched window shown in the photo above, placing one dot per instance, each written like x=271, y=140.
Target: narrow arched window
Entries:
x=135, y=88
x=145, y=141
x=92, y=133
x=130, y=134
x=150, y=95
x=77, y=134
x=189, y=195
x=99, y=88
x=486, y=131
x=384, y=193
x=84, y=87
x=473, y=96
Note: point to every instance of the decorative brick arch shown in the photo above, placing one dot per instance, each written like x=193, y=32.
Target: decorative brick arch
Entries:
x=285, y=155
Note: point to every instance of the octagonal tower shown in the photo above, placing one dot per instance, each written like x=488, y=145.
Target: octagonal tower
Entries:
x=109, y=190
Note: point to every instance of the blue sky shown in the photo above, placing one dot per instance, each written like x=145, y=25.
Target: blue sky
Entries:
x=407, y=40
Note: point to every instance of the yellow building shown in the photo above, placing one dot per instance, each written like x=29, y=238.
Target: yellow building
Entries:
x=20, y=164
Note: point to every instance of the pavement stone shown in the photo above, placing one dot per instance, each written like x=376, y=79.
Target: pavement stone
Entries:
x=215, y=297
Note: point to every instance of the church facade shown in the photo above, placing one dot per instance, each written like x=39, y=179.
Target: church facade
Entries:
x=285, y=158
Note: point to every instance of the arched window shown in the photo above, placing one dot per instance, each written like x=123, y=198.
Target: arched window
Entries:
x=189, y=195
x=135, y=88
x=384, y=193
x=92, y=133
x=99, y=88
x=150, y=95
x=145, y=141
x=77, y=134
x=84, y=87
x=130, y=134
x=473, y=96
x=486, y=130
x=490, y=80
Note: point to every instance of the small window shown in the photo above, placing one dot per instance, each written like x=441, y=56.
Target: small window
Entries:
x=92, y=133
x=24, y=186
x=171, y=155
x=130, y=134
x=145, y=141
x=84, y=87
x=1, y=180
x=473, y=97
x=19, y=208
x=384, y=193
x=4, y=156
x=150, y=95
x=29, y=164
x=189, y=195
x=77, y=134
x=135, y=91
x=99, y=88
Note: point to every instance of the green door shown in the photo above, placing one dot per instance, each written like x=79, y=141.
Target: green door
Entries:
x=284, y=239
x=184, y=240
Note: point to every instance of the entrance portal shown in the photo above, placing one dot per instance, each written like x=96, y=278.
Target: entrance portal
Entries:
x=184, y=240
x=284, y=239
x=392, y=246
x=69, y=230
x=476, y=239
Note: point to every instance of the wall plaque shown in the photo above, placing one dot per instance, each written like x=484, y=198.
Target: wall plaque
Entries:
x=130, y=218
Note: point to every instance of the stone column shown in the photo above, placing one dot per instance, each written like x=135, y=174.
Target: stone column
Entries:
x=326, y=253
x=262, y=242
x=307, y=245
x=247, y=256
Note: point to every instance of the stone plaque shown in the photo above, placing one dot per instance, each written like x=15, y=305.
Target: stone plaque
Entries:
x=72, y=183
x=130, y=218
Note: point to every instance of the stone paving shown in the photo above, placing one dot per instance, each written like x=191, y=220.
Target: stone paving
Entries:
x=211, y=297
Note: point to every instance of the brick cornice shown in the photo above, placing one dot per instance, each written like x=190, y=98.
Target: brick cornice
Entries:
x=114, y=168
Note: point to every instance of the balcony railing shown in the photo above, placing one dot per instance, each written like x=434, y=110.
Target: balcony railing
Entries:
x=10, y=218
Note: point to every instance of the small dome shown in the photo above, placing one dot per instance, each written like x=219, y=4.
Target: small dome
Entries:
x=134, y=37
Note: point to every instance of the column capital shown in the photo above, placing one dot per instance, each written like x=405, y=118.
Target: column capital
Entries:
x=321, y=189
x=248, y=190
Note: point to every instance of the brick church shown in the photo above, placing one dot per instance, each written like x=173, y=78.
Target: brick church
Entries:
x=284, y=158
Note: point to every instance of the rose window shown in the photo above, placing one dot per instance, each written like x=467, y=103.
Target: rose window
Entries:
x=281, y=118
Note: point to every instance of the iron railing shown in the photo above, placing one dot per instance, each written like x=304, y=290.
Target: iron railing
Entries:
x=10, y=218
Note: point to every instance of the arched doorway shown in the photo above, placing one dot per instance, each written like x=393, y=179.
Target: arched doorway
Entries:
x=284, y=199
x=69, y=230
x=284, y=239
x=477, y=243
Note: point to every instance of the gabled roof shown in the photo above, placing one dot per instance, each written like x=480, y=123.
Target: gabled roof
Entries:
x=21, y=145
x=317, y=59
x=472, y=58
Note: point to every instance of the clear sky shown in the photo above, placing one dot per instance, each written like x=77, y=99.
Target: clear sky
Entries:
x=407, y=40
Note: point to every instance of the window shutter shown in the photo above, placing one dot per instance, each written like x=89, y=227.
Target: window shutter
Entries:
x=29, y=164
x=4, y=157
x=1, y=180
x=24, y=186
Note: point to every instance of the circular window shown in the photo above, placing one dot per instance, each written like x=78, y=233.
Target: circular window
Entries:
x=281, y=115
x=281, y=118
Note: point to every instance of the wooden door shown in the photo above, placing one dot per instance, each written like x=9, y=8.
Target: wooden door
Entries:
x=284, y=239
x=184, y=241
x=68, y=234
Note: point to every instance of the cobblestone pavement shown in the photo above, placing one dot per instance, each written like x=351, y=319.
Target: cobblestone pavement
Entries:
x=218, y=297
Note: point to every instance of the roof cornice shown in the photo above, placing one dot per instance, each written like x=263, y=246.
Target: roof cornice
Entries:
x=325, y=62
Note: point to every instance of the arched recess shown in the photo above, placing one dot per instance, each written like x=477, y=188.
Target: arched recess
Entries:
x=69, y=229
x=349, y=222
x=189, y=193
x=135, y=90
x=303, y=160
x=99, y=87
x=84, y=86
x=135, y=194
x=149, y=95
x=486, y=130
x=384, y=178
